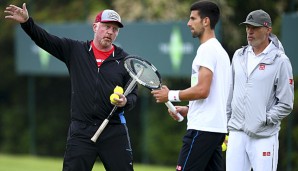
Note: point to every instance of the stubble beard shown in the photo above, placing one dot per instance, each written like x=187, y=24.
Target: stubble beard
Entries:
x=198, y=34
x=255, y=43
x=105, y=43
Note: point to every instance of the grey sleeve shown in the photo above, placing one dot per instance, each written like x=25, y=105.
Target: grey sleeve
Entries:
x=284, y=93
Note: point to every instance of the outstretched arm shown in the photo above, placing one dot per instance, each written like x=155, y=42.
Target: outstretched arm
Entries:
x=56, y=46
x=16, y=13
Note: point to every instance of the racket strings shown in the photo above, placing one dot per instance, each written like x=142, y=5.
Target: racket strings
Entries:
x=148, y=76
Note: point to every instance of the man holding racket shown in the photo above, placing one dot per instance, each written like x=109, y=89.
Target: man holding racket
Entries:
x=262, y=94
x=207, y=96
x=96, y=68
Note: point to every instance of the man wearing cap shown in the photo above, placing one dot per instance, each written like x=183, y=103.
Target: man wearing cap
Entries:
x=261, y=95
x=95, y=68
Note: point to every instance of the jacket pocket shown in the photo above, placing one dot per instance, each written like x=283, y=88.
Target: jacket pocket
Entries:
x=255, y=122
x=77, y=129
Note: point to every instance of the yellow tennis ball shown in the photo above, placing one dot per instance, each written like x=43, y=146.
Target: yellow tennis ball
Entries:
x=114, y=96
x=224, y=144
x=118, y=89
x=223, y=147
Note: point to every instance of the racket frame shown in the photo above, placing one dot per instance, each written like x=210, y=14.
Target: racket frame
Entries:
x=131, y=73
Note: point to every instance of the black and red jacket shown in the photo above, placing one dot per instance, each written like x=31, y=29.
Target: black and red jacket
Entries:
x=91, y=86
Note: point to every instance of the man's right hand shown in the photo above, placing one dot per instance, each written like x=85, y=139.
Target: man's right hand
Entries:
x=16, y=13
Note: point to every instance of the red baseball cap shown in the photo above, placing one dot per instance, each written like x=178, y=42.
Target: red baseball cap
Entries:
x=106, y=16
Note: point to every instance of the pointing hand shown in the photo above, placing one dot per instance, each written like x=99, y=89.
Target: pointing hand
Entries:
x=16, y=13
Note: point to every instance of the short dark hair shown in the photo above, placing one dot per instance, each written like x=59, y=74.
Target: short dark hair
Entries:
x=207, y=9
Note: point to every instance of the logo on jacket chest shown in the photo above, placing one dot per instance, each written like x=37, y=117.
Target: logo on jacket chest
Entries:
x=262, y=67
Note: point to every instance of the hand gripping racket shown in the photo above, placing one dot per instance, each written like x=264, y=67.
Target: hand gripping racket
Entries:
x=106, y=121
x=150, y=77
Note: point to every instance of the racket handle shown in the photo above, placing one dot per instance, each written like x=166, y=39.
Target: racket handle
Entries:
x=173, y=109
x=99, y=130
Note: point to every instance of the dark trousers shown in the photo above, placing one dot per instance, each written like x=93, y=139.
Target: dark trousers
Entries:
x=201, y=151
x=112, y=147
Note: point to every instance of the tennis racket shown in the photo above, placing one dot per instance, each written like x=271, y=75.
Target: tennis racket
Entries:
x=150, y=77
x=129, y=88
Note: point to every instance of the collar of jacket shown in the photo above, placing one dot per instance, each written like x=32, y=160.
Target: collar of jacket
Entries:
x=116, y=54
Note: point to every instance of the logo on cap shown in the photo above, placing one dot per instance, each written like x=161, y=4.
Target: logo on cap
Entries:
x=250, y=17
x=113, y=16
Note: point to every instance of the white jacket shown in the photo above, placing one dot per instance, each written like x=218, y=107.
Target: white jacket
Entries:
x=258, y=102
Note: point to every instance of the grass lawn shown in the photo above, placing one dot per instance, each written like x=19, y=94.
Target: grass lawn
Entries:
x=33, y=163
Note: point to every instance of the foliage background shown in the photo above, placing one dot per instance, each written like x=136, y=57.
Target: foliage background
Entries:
x=155, y=137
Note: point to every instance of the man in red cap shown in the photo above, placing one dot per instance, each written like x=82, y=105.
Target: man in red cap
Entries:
x=95, y=68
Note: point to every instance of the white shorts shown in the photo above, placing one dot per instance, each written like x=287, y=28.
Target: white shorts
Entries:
x=245, y=153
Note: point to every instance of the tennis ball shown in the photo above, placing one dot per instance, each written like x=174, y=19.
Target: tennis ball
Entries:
x=223, y=147
x=225, y=143
x=112, y=97
x=118, y=89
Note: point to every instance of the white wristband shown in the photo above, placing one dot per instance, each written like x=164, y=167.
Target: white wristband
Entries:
x=173, y=96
